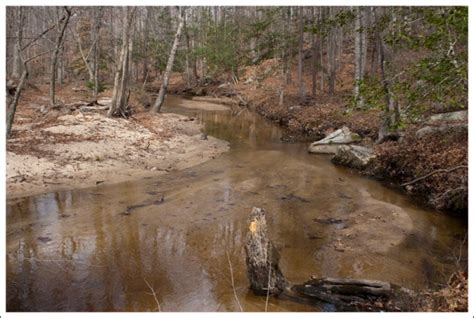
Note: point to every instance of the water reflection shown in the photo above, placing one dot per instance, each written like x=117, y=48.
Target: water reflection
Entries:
x=77, y=251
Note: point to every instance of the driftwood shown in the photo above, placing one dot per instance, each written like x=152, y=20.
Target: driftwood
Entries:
x=266, y=277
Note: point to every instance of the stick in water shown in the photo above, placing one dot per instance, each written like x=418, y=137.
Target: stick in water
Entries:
x=154, y=294
x=232, y=280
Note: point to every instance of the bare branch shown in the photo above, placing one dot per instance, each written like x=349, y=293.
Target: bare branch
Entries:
x=232, y=280
x=154, y=294
x=432, y=173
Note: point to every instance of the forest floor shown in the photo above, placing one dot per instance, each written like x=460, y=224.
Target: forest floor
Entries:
x=65, y=148
x=316, y=116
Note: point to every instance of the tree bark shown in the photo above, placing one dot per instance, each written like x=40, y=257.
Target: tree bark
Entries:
x=300, y=53
x=321, y=41
x=360, y=52
x=331, y=40
x=357, y=57
x=11, y=110
x=169, y=65
x=262, y=258
x=17, y=71
x=121, y=74
x=314, y=57
x=96, y=51
x=54, y=60
x=391, y=114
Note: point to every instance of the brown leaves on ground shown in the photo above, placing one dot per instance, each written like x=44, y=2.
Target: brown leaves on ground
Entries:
x=453, y=297
x=414, y=157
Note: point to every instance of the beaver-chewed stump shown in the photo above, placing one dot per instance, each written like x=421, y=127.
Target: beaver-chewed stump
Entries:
x=266, y=277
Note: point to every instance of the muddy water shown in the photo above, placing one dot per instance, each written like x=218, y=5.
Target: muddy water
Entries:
x=82, y=251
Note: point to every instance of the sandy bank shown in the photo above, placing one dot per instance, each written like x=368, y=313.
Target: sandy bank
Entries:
x=208, y=104
x=82, y=150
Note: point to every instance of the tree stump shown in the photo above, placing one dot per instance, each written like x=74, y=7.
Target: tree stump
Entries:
x=266, y=277
x=262, y=258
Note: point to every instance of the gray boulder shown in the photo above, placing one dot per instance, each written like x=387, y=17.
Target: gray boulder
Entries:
x=428, y=130
x=353, y=156
x=451, y=116
x=329, y=144
x=328, y=149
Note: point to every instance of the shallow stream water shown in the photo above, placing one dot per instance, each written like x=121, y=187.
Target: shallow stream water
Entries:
x=81, y=250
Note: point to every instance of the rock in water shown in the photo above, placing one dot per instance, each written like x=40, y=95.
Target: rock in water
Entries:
x=353, y=156
x=325, y=149
x=330, y=143
x=262, y=257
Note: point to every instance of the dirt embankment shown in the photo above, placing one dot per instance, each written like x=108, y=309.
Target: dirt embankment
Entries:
x=75, y=149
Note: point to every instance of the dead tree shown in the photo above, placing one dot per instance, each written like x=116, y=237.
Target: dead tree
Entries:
x=265, y=277
x=169, y=65
x=54, y=60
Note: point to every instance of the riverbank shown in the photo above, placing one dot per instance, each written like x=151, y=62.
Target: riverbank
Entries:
x=69, y=149
x=397, y=162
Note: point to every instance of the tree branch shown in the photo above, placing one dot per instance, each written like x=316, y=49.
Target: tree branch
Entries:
x=434, y=172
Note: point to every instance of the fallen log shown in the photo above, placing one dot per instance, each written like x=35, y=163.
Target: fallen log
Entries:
x=265, y=277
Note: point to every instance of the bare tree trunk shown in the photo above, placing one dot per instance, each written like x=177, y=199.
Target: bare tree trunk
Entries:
x=17, y=63
x=121, y=74
x=321, y=41
x=54, y=61
x=375, y=45
x=360, y=52
x=96, y=51
x=331, y=56
x=169, y=65
x=14, y=101
x=145, y=47
x=358, y=57
x=314, y=57
x=188, y=51
x=300, y=53
x=391, y=113
x=60, y=64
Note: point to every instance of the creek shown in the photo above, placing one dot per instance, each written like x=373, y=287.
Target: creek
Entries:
x=79, y=251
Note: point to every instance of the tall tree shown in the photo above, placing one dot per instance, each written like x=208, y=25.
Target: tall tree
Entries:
x=360, y=49
x=96, y=50
x=54, y=59
x=391, y=113
x=314, y=54
x=17, y=62
x=300, y=51
x=169, y=66
x=12, y=99
x=120, y=90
